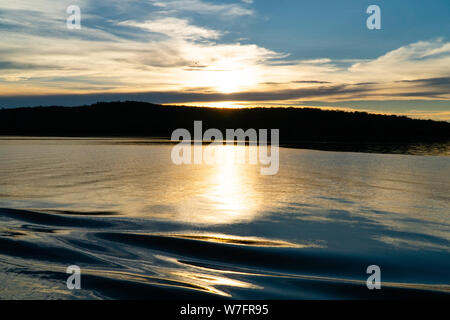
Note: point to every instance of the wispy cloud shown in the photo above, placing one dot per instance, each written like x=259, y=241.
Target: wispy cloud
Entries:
x=175, y=28
x=417, y=60
x=204, y=7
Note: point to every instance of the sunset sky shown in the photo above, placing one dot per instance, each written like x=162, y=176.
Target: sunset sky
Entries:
x=229, y=53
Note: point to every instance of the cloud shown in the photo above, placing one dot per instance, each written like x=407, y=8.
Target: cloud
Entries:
x=203, y=7
x=175, y=28
x=410, y=62
x=443, y=81
x=310, y=81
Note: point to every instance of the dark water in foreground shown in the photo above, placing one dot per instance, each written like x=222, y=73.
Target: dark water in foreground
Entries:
x=142, y=227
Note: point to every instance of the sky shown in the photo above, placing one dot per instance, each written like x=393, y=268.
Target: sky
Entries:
x=229, y=53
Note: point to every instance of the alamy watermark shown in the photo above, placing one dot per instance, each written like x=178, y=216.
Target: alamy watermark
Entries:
x=194, y=151
x=74, y=20
x=374, y=280
x=74, y=280
x=374, y=20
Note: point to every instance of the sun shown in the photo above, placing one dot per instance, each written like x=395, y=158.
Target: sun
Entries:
x=232, y=81
x=225, y=78
x=229, y=81
x=227, y=84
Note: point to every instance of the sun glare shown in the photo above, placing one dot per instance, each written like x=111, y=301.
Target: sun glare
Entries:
x=227, y=82
x=232, y=81
x=225, y=77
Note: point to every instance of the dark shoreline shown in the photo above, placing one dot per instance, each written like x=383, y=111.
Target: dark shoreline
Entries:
x=299, y=127
x=417, y=149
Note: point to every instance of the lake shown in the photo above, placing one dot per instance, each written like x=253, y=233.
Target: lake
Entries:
x=139, y=226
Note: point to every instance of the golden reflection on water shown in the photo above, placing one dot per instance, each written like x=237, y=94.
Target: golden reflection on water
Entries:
x=235, y=240
x=228, y=191
x=204, y=279
x=229, y=196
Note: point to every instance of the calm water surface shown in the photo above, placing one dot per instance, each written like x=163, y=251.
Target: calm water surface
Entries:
x=142, y=227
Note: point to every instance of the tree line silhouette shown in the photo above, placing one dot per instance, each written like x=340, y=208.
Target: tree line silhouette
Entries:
x=139, y=119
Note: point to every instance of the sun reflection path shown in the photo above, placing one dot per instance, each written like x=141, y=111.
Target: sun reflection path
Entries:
x=229, y=196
